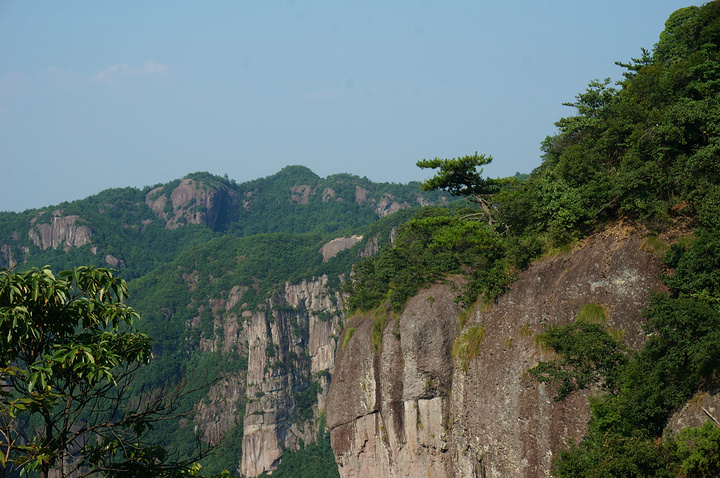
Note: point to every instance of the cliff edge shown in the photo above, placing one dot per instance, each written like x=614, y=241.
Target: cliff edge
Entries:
x=412, y=407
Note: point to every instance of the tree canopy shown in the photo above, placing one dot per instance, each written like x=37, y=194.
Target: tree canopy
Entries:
x=68, y=350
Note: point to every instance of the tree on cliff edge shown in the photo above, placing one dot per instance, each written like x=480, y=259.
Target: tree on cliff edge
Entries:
x=68, y=351
x=461, y=177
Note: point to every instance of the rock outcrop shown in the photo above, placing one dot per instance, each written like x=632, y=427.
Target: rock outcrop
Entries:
x=193, y=202
x=61, y=230
x=290, y=353
x=388, y=412
x=332, y=248
x=413, y=410
x=290, y=345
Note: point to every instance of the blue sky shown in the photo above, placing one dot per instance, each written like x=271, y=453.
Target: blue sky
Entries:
x=100, y=94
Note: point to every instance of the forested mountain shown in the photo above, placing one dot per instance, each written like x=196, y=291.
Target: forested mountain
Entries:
x=234, y=280
x=566, y=321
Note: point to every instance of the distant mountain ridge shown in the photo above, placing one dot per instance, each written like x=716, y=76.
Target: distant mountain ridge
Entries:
x=109, y=228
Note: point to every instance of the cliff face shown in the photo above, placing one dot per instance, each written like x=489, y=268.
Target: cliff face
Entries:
x=193, y=202
x=290, y=348
x=388, y=412
x=62, y=230
x=411, y=409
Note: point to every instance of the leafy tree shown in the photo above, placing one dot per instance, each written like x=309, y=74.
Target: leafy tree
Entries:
x=68, y=351
x=698, y=450
x=587, y=355
x=435, y=243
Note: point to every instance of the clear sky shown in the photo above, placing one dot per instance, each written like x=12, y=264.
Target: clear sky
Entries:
x=103, y=94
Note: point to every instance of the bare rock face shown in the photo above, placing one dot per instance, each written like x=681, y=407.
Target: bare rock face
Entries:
x=290, y=345
x=62, y=230
x=388, y=412
x=704, y=406
x=332, y=248
x=411, y=410
x=194, y=203
x=217, y=417
x=301, y=193
x=11, y=256
x=388, y=205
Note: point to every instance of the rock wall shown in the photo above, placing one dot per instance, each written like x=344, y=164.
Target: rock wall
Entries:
x=194, y=203
x=388, y=412
x=411, y=410
x=62, y=230
x=290, y=347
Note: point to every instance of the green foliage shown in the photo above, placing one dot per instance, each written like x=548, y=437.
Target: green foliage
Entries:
x=458, y=176
x=69, y=351
x=592, y=314
x=698, y=450
x=305, y=400
x=467, y=346
x=587, y=355
x=348, y=335
x=435, y=243
x=315, y=460
x=615, y=456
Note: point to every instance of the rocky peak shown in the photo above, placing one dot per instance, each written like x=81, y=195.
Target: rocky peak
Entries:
x=194, y=202
x=332, y=248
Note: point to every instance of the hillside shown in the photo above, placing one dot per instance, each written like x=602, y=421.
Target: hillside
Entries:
x=234, y=280
x=581, y=338
x=566, y=322
x=137, y=230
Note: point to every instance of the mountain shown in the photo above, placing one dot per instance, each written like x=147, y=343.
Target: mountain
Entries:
x=235, y=280
x=569, y=325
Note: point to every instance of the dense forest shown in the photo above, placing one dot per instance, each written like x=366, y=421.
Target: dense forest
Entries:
x=645, y=150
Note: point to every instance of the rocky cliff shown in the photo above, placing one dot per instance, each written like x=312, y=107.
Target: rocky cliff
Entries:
x=411, y=408
x=194, y=202
x=290, y=345
x=67, y=231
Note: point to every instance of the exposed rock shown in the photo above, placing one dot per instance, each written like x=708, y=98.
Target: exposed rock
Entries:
x=301, y=193
x=217, y=412
x=361, y=195
x=10, y=255
x=61, y=230
x=388, y=412
x=329, y=194
x=704, y=406
x=493, y=419
x=114, y=261
x=250, y=199
x=387, y=205
x=332, y=248
x=194, y=203
x=289, y=343
x=372, y=246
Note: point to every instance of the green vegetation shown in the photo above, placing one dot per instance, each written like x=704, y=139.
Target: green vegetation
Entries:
x=643, y=389
x=592, y=314
x=315, y=460
x=644, y=150
x=348, y=335
x=70, y=350
x=435, y=243
x=467, y=346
